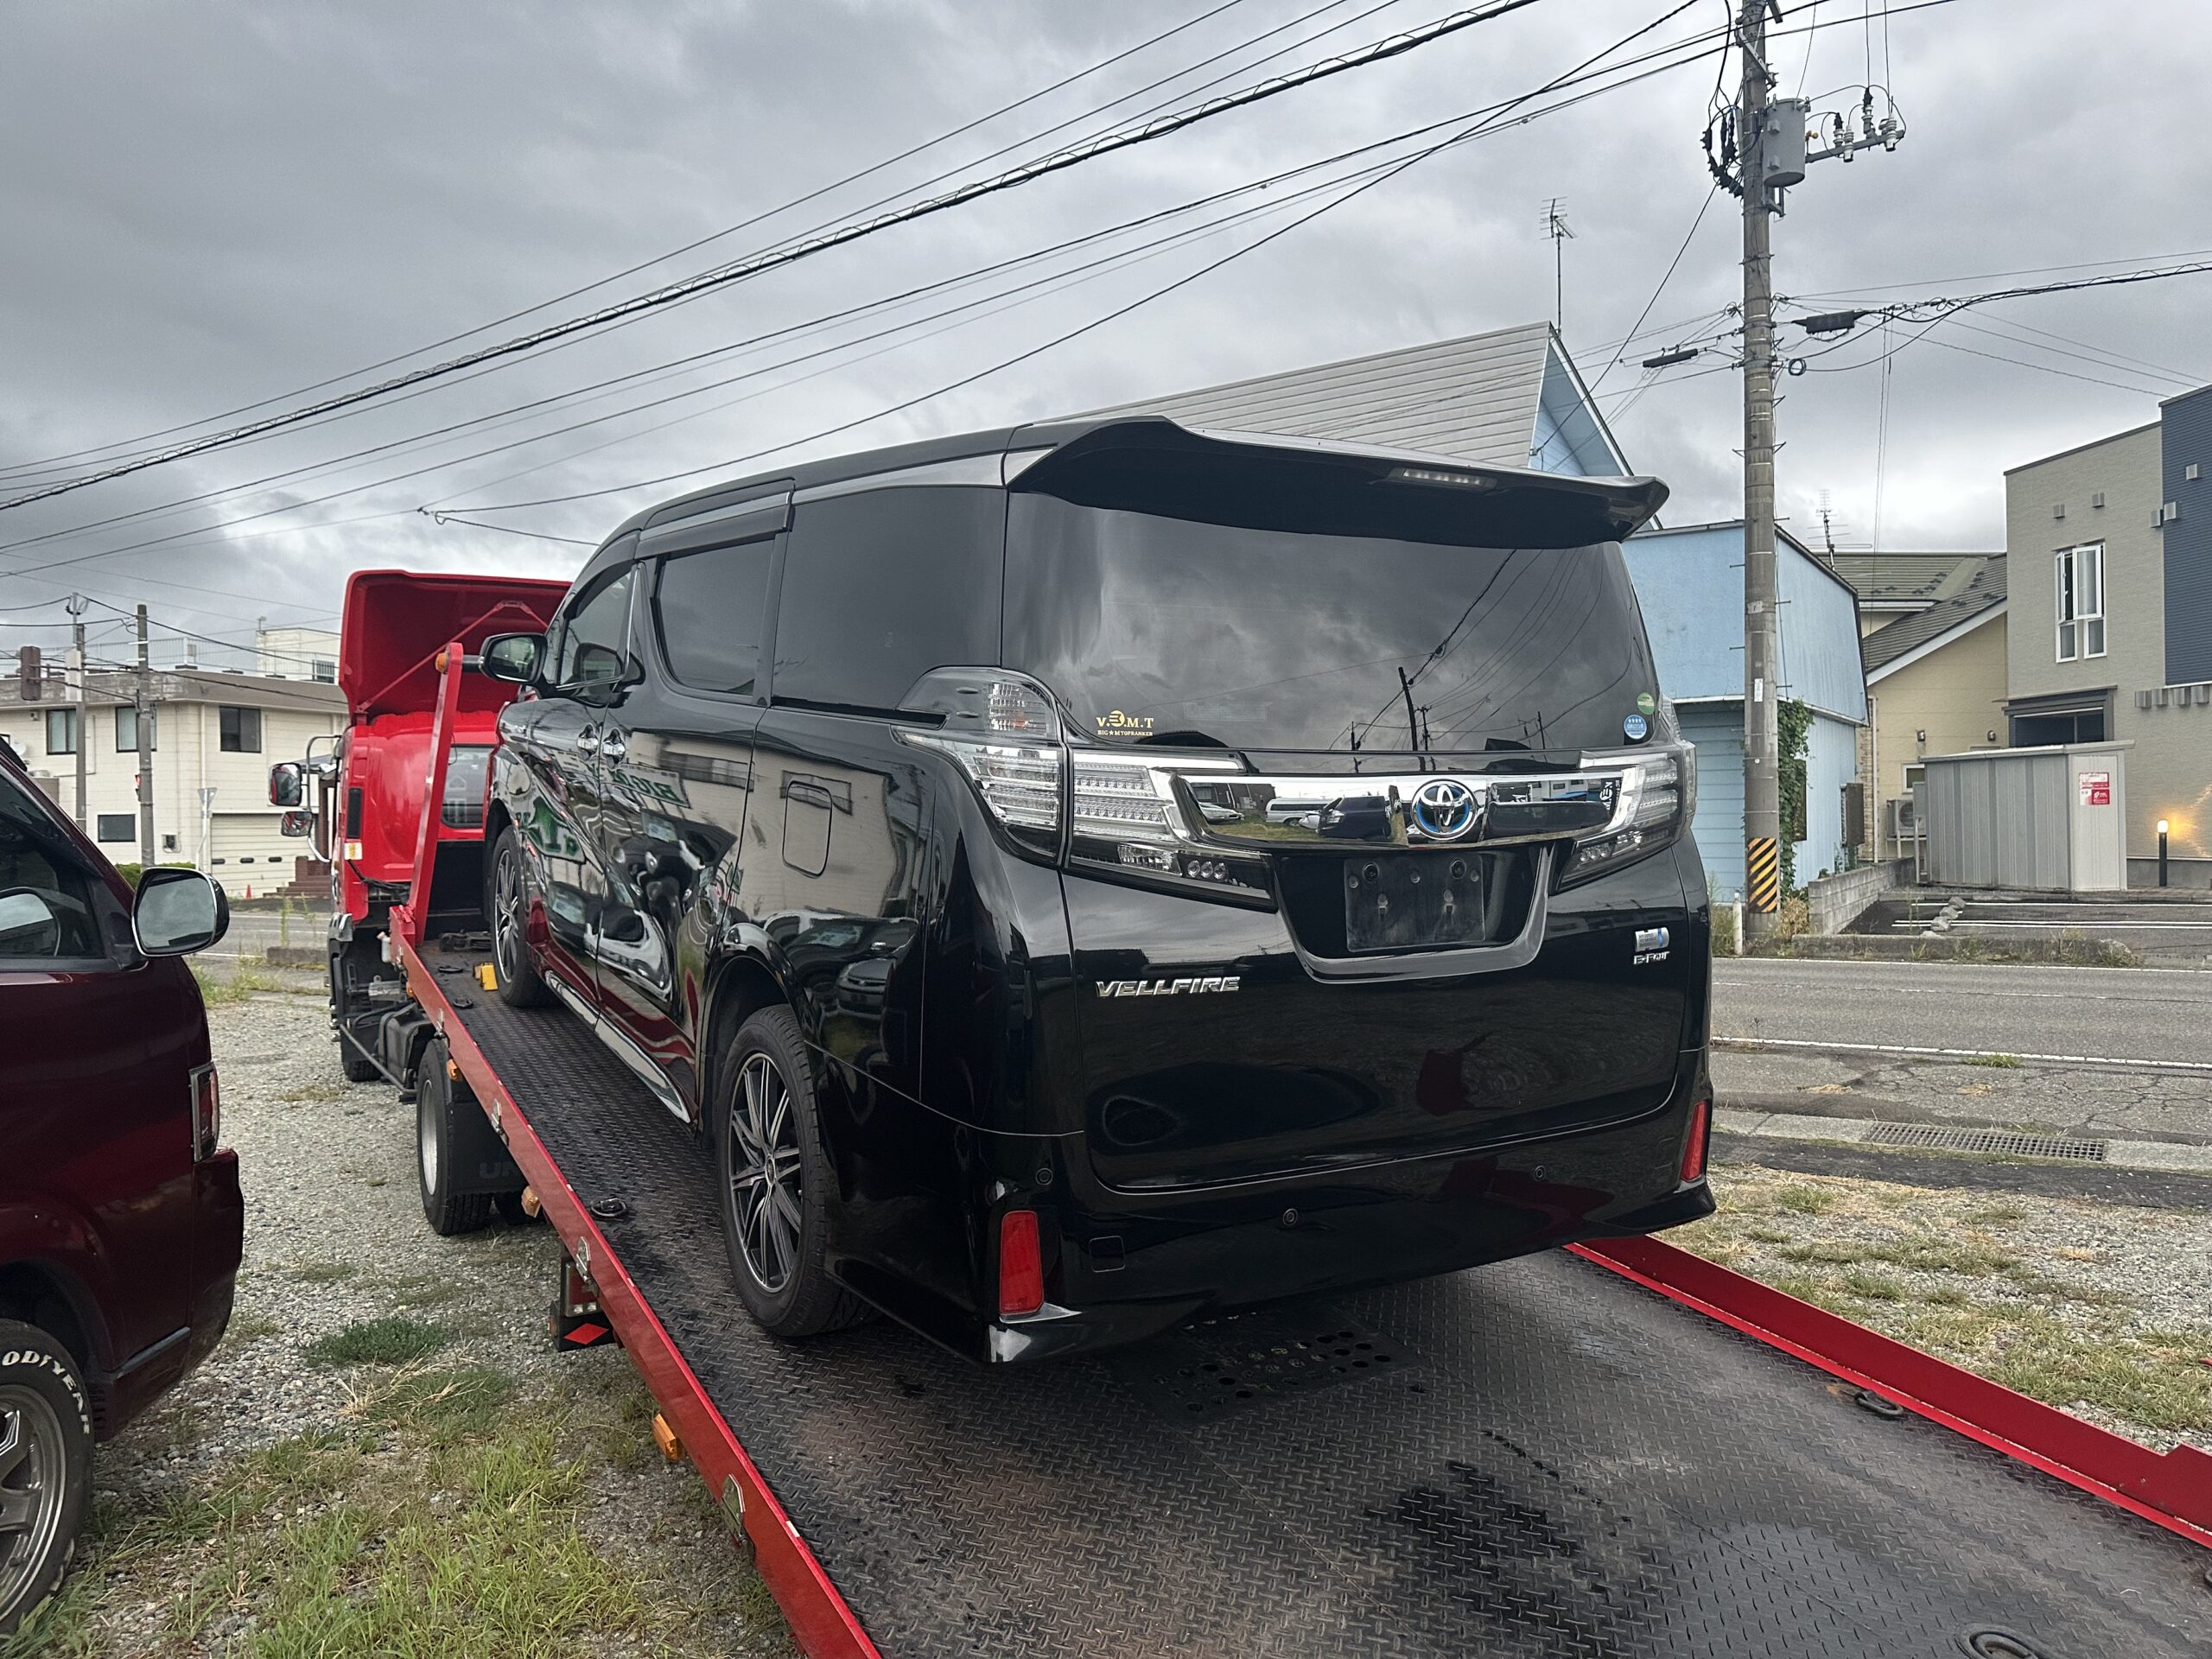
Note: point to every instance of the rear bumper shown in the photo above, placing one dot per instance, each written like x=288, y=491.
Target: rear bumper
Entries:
x=1119, y=1270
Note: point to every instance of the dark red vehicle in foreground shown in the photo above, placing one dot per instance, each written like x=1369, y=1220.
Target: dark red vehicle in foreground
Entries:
x=120, y=1219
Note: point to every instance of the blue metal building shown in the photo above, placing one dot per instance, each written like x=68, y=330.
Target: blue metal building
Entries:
x=1690, y=582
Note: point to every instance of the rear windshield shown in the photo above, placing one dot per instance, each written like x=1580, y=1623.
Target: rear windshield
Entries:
x=1171, y=631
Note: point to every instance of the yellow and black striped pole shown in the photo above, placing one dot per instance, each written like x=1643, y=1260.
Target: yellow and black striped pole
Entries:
x=1763, y=863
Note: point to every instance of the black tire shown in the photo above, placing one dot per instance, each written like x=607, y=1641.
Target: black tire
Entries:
x=776, y=1223
x=506, y=908
x=45, y=1466
x=441, y=1133
x=356, y=1066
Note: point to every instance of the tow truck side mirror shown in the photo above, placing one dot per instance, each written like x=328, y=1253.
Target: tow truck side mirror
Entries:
x=514, y=657
x=287, y=784
x=297, y=822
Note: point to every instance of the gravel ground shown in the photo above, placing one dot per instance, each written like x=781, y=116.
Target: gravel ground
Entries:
x=336, y=1237
x=2102, y=1309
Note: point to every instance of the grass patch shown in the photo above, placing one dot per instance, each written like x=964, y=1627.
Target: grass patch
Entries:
x=1805, y=1200
x=321, y=1273
x=392, y=1340
x=425, y=1290
x=312, y=1092
x=442, y=1407
x=245, y=1329
x=1997, y=1062
x=1868, y=1286
x=243, y=982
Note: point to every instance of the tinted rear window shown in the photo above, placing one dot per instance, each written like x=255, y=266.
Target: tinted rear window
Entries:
x=710, y=607
x=879, y=589
x=1167, y=630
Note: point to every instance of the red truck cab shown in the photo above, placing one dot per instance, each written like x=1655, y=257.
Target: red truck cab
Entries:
x=367, y=796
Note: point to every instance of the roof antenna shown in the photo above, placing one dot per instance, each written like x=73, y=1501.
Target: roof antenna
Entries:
x=1556, y=227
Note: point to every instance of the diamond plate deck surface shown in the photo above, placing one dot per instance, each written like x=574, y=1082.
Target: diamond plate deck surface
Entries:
x=1572, y=1467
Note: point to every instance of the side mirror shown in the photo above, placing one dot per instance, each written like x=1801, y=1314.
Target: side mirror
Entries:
x=297, y=822
x=287, y=784
x=514, y=657
x=178, y=911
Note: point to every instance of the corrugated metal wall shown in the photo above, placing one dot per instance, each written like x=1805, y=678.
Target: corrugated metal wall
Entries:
x=1831, y=761
x=1717, y=731
x=2028, y=818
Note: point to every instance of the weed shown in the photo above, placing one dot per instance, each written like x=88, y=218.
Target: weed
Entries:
x=1995, y=1215
x=1766, y=1234
x=392, y=1340
x=323, y=1273
x=315, y=1092
x=1998, y=1062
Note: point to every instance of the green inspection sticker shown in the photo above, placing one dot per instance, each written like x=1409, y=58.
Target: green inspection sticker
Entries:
x=1644, y=703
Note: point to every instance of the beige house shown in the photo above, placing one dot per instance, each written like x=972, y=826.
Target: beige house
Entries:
x=1934, y=626
x=2111, y=616
x=1934, y=685
x=216, y=733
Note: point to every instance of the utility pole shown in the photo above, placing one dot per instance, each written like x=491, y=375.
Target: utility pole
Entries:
x=1764, y=138
x=1762, y=732
x=1556, y=227
x=76, y=605
x=144, y=722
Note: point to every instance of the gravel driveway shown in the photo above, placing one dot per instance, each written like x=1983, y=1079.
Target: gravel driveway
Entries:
x=374, y=1375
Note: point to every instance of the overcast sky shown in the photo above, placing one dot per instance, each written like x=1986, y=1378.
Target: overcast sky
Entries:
x=210, y=206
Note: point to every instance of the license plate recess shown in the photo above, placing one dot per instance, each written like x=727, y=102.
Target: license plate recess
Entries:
x=1404, y=901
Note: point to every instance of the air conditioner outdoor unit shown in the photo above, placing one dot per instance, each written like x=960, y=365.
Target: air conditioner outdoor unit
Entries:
x=1904, y=822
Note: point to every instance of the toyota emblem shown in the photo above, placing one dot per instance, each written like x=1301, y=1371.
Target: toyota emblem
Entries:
x=1445, y=809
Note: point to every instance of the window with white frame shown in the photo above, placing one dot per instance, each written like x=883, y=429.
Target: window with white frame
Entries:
x=2079, y=577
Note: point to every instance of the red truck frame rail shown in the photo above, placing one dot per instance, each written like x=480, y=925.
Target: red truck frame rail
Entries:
x=1536, y=1458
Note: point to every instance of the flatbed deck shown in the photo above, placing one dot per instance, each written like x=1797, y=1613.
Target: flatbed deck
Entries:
x=1534, y=1458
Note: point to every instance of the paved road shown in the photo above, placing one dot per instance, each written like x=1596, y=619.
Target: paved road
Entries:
x=2130, y=1013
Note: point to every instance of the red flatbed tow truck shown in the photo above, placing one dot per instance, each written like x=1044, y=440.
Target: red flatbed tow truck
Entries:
x=1616, y=1450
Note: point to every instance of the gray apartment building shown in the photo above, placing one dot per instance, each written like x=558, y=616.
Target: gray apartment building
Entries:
x=2110, y=631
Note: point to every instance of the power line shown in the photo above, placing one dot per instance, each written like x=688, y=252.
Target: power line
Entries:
x=1664, y=279
x=690, y=247
x=1690, y=44
x=1106, y=144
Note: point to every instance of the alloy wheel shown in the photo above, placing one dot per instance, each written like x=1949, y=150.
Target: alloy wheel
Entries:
x=765, y=1173
x=507, y=912
x=32, y=1462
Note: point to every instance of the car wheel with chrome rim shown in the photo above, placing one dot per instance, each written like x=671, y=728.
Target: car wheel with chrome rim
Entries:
x=775, y=1185
x=45, y=1453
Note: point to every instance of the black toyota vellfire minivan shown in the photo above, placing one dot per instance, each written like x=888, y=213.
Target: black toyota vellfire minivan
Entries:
x=903, y=822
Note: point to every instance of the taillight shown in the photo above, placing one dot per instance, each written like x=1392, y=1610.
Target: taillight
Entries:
x=1110, y=811
x=1657, y=799
x=1701, y=1132
x=206, y=1112
x=1022, y=1264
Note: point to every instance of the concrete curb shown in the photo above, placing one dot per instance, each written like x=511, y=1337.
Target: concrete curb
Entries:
x=1853, y=1131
